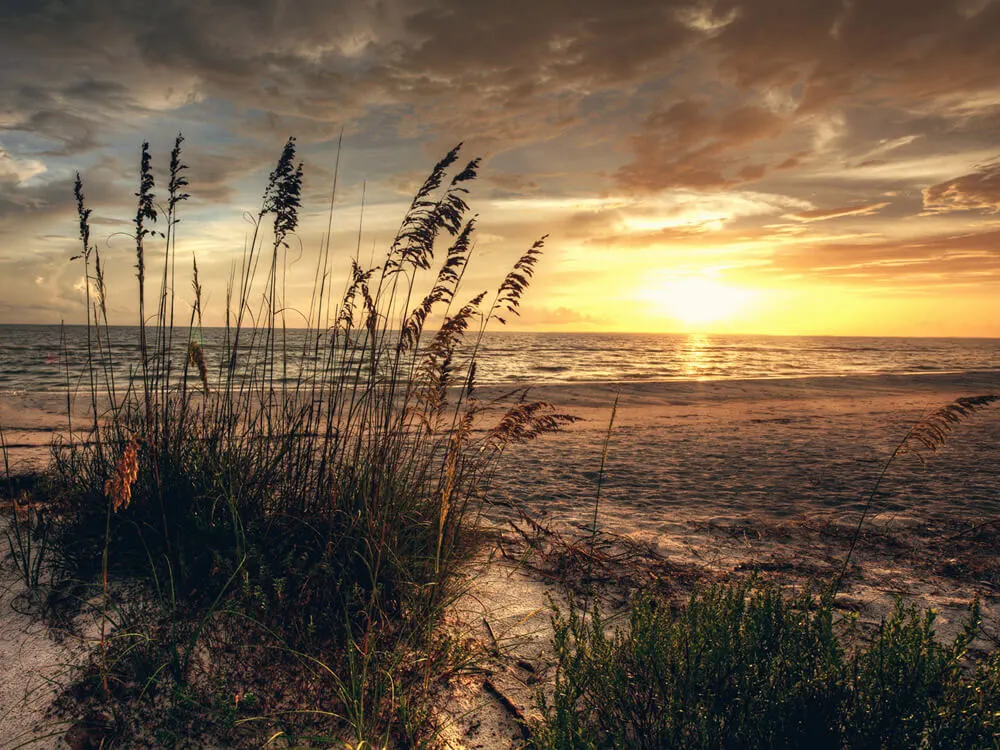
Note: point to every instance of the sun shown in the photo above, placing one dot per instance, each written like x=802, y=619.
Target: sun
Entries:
x=698, y=301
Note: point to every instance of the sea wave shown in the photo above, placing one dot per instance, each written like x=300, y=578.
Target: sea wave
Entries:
x=35, y=358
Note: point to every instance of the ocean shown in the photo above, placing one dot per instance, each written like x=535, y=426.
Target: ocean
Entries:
x=33, y=358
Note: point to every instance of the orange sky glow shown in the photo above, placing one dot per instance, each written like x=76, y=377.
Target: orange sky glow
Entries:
x=717, y=166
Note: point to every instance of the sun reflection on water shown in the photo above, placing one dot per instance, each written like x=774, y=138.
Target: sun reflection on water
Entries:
x=694, y=357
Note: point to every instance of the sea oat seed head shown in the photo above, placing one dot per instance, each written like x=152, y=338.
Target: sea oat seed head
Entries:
x=196, y=356
x=119, y=487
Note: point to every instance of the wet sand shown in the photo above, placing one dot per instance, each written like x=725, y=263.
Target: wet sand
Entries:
x=772, y=450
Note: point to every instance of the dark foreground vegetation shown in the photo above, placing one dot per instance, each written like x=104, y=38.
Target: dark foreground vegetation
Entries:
x=268, y=535
x=743, y=666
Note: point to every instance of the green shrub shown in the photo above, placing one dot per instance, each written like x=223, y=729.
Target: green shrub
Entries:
x=745, y=667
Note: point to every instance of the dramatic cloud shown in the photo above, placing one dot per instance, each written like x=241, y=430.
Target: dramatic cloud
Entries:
x=838, y=52
x=18, y=170
x=979, y=190
x=955, y=259
x=676, y=132
x=689, y=145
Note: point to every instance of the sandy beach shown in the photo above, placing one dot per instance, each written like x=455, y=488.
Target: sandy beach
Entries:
x=691, y=455
x=764, y=449
x=721, y=477
x=711, y=480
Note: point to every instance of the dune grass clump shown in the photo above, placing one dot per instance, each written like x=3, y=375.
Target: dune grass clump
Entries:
x=270, y=530
x=747, y=667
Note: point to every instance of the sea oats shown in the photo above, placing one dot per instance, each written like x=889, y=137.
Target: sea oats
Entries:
x=509, y=294
x=313, y=489
x=196, y=356
x=932, y=432
x=119, y=487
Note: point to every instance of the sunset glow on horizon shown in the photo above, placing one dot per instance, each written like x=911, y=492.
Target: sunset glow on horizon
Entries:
x=737, y=166
x=698, y=302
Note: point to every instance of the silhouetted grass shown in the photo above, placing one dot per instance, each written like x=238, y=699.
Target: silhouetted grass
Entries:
x=283, y=524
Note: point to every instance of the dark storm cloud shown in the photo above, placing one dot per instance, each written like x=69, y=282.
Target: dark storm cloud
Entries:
x=27, y=210
x=924, y=65
x=525, y=46
x=72, y=133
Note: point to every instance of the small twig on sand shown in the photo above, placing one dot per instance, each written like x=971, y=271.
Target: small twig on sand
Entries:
x=493, y=637
x=508, y=704
x=972, y=530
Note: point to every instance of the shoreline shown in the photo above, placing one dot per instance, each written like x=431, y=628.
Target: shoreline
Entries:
x=31, y=420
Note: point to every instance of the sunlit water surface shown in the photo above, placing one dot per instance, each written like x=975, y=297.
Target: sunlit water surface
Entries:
x=34, y=358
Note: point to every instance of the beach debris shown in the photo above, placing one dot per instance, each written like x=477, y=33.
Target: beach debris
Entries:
x=516, y=714
x=495, y=649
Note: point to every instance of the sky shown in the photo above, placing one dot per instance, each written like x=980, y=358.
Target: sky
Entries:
x=744, y=166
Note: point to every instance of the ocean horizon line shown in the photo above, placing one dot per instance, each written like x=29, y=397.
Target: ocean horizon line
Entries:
x=538, y=332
